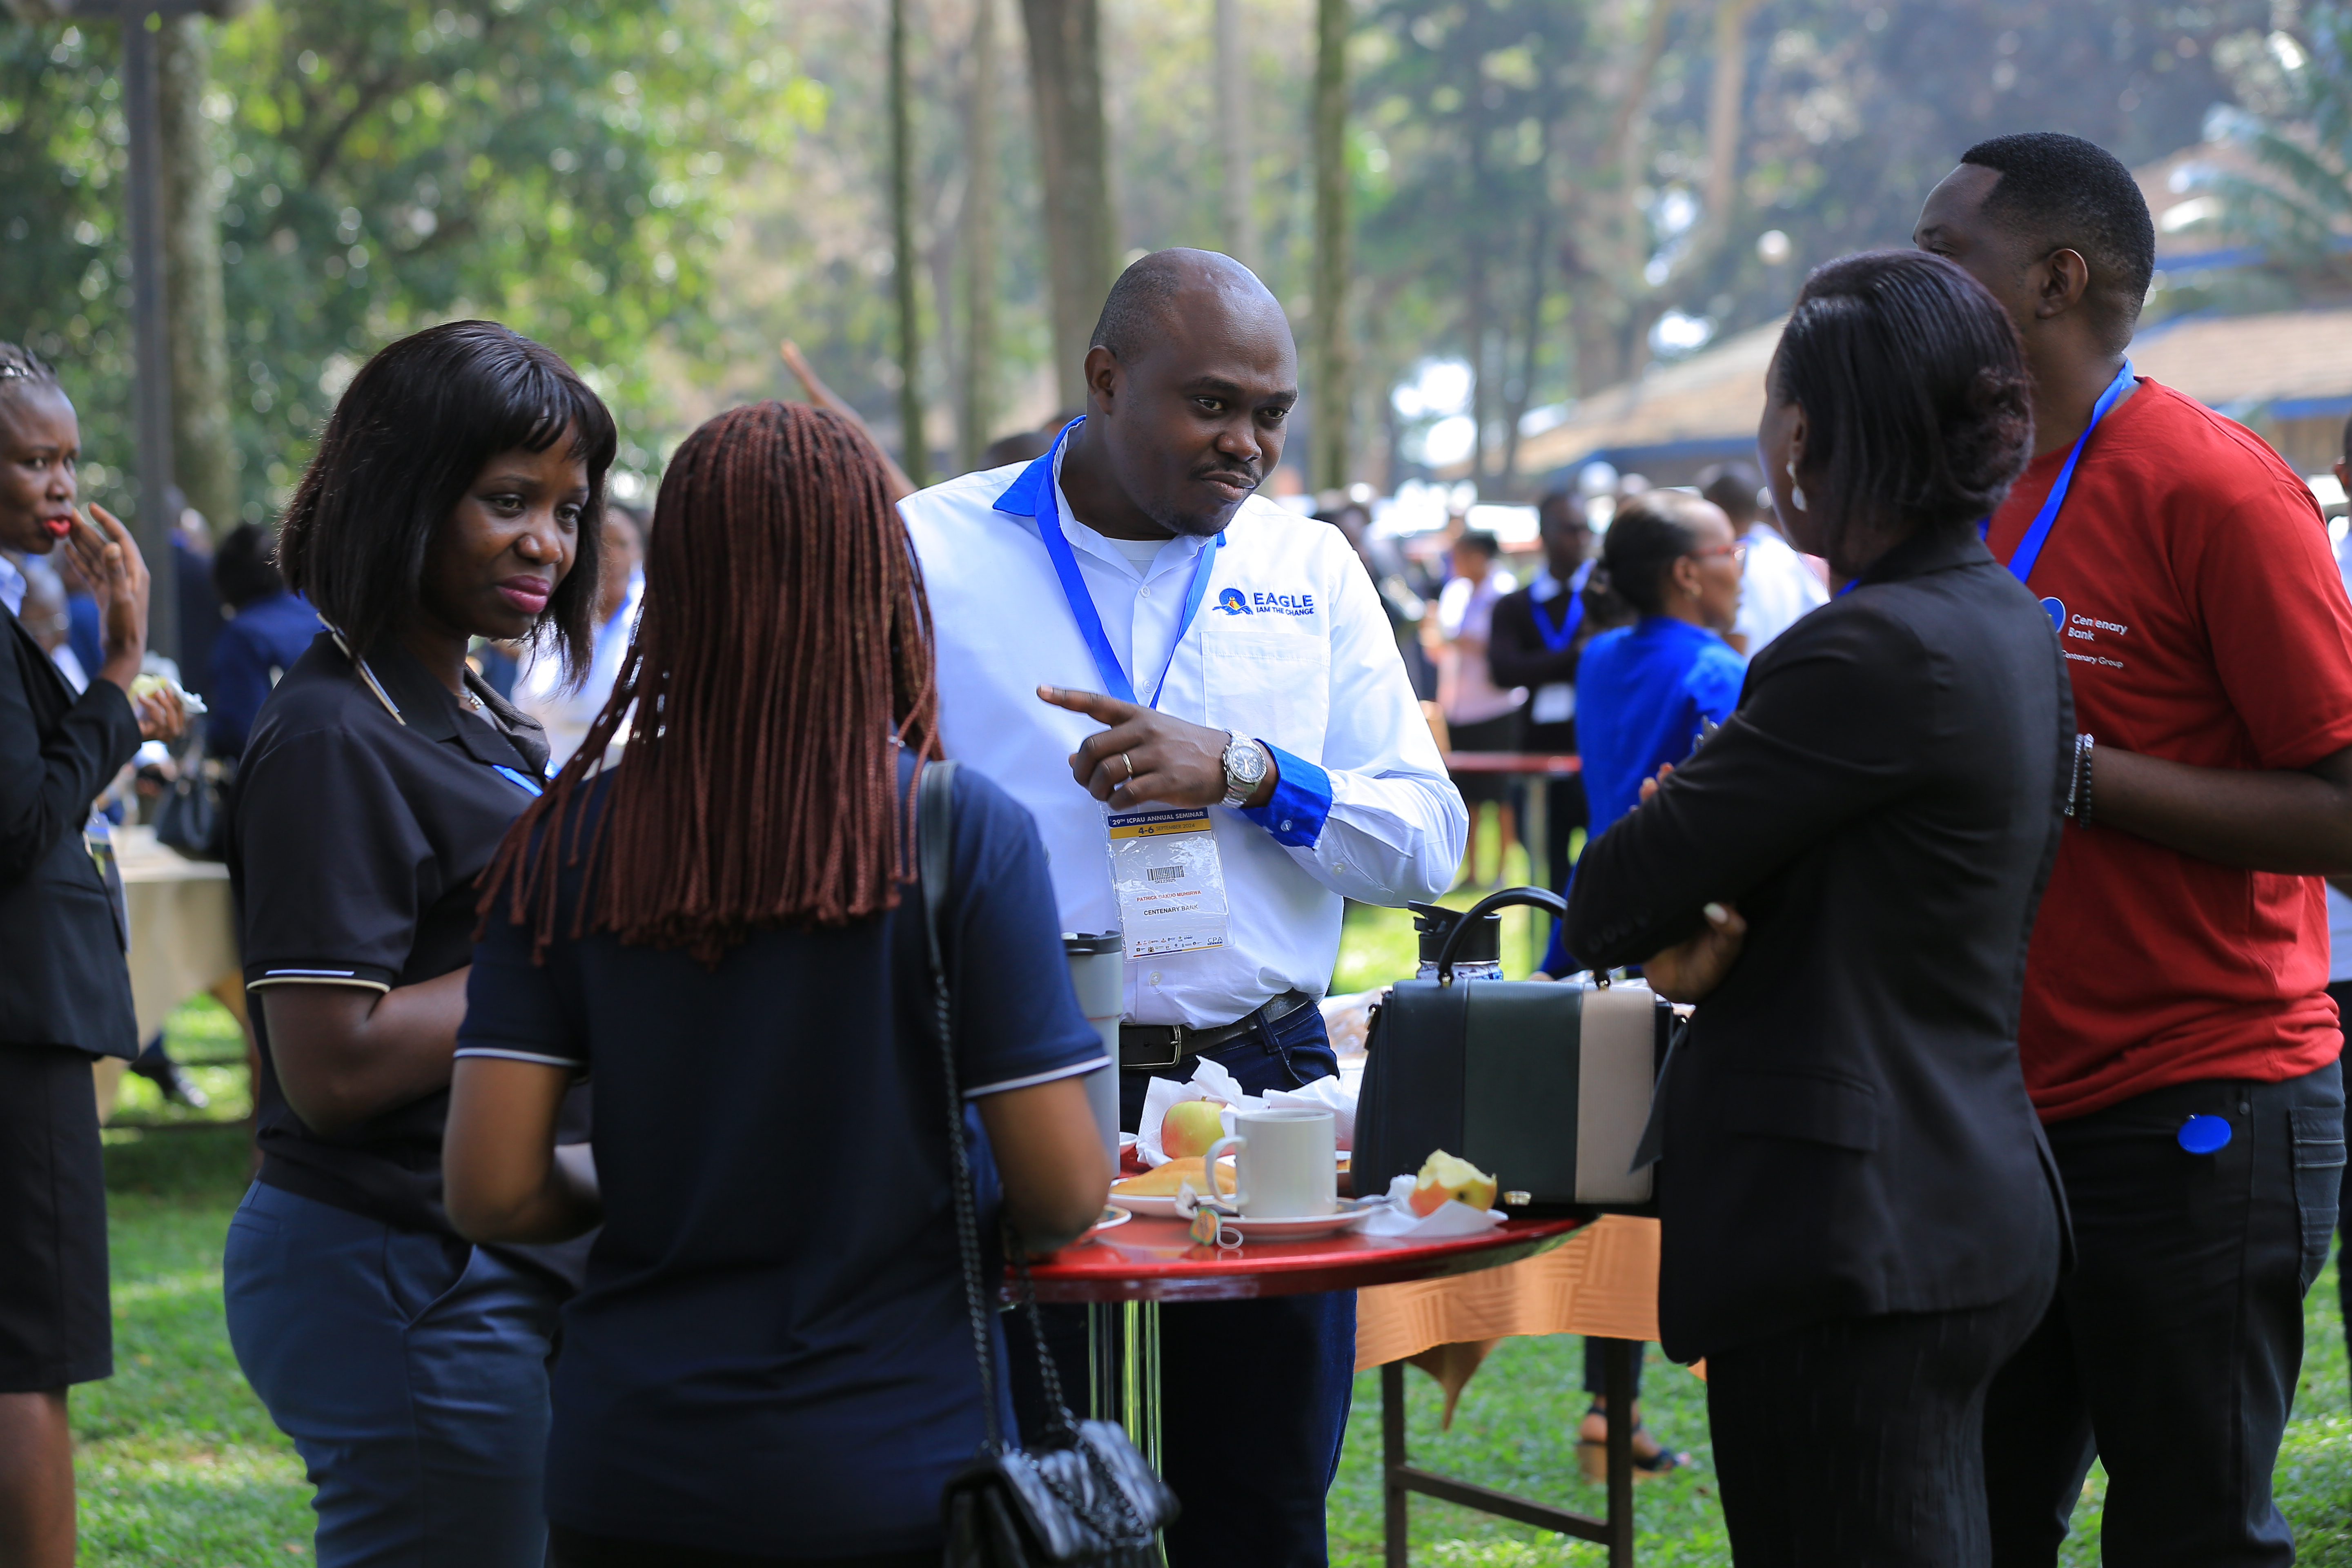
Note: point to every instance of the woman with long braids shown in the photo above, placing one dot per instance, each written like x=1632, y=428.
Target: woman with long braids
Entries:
x=770, y=1360
x=447, y=500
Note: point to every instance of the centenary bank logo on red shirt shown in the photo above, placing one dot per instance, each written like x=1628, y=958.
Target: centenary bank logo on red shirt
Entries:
x=2078, y=629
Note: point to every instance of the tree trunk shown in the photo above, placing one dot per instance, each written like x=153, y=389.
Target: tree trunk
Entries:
x=1474, y=312
x=1515, y=402
x=913, y=449
x=1333, y=394
x=1237, y=192
x=1073, y=144
x=203, y=446
x=975, y=406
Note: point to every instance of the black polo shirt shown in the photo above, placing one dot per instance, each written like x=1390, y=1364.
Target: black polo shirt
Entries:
x=355, y=840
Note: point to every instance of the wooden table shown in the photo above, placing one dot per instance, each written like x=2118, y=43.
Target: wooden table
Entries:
x=182, y=929
x=1136, y=1265
x=1602, y=1282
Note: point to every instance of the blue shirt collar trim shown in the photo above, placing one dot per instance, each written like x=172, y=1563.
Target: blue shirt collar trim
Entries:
x=1019, y=497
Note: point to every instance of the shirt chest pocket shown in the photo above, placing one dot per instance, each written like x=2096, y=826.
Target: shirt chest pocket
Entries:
x=1273, y=684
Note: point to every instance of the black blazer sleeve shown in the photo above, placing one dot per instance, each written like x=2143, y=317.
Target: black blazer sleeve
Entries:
x=1516, y=655
x=1832, y=726
x=49, y=772
x=64, y=983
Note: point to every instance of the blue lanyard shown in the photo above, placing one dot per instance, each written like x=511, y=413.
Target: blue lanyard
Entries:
x=514, y=776
x=518, y=778
x=1082, y=603
x=1557, y=638
x=2037, y=533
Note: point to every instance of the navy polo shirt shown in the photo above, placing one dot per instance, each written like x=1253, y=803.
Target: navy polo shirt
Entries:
x=771, y=1355
x=355, y=836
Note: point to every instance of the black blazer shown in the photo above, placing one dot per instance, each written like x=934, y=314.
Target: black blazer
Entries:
x=64, y=981
x=1517, y=655
x=1847, y=1131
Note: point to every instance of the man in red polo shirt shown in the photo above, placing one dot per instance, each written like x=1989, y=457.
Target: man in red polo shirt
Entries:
x=2176, y=1034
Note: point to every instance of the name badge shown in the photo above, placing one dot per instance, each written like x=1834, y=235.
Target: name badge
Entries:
x=1170, y=882
x=1554, y=704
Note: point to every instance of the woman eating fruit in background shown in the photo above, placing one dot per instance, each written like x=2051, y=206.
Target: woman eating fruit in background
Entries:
x=65, y=994
x=770, y=1360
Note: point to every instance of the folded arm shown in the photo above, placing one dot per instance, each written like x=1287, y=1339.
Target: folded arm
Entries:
x=1832, y=729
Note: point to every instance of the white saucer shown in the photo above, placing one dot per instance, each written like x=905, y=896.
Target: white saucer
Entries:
x=1150, y=1208
x=1297, y=1227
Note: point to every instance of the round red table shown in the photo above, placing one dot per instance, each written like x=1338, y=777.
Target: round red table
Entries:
x=1124, y=1274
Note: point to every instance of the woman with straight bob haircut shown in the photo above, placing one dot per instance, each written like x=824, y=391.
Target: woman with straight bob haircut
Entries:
x=1861, y=1221
x=770, y=1361
x=448, y=500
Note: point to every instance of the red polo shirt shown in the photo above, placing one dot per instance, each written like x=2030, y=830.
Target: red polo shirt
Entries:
x=2204, y=621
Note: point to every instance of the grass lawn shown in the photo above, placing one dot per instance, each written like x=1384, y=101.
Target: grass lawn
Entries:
x=180, y=1467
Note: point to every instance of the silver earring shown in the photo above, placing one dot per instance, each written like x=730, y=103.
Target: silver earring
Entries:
x=1796, y=490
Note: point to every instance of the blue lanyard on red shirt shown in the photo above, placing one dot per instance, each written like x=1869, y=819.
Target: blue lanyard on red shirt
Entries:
x=2037, y=532
x=1082, y=603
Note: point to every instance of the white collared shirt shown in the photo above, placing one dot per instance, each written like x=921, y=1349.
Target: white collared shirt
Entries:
x=1290, y=647
x=12, y=586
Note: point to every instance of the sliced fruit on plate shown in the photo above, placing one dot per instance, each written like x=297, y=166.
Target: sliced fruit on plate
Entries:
x=1447, y=1178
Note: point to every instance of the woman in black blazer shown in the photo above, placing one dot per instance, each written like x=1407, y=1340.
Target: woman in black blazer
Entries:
x=65, y=994
x=1861, y=1220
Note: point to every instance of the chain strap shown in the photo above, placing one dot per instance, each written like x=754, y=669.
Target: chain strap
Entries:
x=934, y=838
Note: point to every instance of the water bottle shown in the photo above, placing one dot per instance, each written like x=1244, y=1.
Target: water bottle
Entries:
x=1480, y=956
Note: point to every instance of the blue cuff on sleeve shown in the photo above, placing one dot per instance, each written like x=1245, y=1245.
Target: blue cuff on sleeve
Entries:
x=1301, y=800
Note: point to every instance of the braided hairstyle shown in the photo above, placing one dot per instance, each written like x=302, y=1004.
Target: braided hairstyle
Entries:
x=782, y=658
x=22, y=371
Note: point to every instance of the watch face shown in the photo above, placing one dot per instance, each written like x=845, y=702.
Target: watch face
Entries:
x=1247, y=763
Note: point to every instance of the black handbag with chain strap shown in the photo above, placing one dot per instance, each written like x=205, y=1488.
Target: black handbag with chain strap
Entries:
x=1084, y=1499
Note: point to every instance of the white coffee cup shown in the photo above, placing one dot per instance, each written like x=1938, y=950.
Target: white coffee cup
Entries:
x=1286, y=1162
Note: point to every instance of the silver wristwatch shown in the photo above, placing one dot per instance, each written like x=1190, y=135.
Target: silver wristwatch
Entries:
x=1246, y=768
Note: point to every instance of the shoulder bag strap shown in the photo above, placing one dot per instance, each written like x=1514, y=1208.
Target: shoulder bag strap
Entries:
x=935, y=856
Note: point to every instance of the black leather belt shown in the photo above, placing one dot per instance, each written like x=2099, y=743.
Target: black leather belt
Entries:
x=1146, y=1047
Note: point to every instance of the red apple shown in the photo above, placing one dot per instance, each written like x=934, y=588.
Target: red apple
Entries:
x=1190, y=1127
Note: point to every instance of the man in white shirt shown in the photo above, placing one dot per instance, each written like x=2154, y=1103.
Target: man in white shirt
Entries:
x=1125, y=621
x=1775, y=586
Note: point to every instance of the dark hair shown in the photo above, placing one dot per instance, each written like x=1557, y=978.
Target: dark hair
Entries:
x=1561, y=508
x=1481, y=541
x=1732, y=487
x=2064, y=193
x=786, y=646
x=410, y=434
x=242, y=569
x=639, y=524
x=1913, y=387
x=21, y=367
x=1648, y=534
x=1138, y=302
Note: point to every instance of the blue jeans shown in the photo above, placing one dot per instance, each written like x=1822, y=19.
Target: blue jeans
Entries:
x=1259, y=1503
x=411, y=1371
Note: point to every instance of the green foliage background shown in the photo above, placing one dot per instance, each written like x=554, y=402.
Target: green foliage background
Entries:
x=566, y=168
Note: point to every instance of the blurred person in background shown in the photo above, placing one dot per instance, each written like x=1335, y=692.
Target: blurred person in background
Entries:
x=1537, y=636
x=64, y=991
x=454, y=494
x=1480, y=716
x=271, y=626
x=198, y=602
x=1395, y=577
x=1645, y=692
x=45, y=616
x=1776, y=586
x=748, y=1382
x=542, y=689
x=1859, y=1222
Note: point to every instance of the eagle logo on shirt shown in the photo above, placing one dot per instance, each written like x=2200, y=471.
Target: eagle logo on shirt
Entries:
x=1233, y=602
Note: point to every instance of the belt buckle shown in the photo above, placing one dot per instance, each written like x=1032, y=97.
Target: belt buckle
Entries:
x=1174, y=1046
